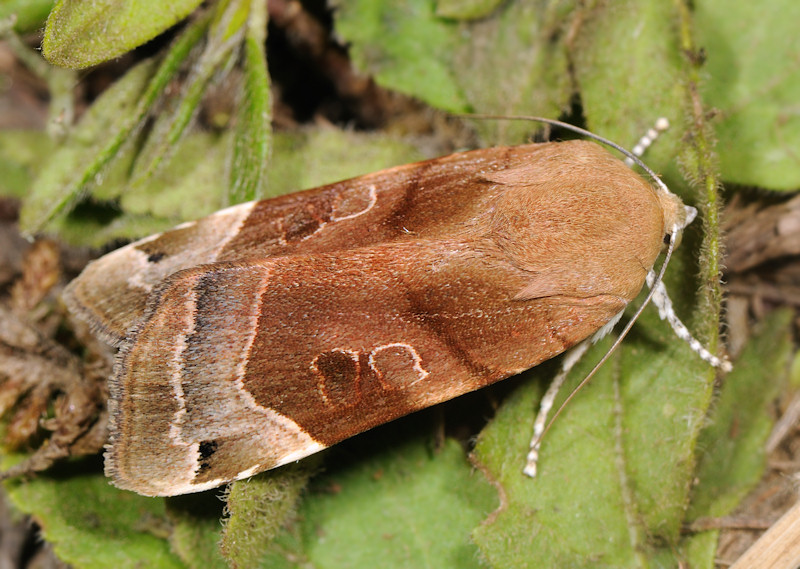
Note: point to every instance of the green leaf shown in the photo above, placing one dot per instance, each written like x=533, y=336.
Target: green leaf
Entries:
x=252, y=140
x=401, y=505
x=506, y=63
x=195, y=529
x=621, y=101
x=20, y=159
x=404, y=47
x=732, y=455
x=323, y=156
x=466, y=9
x=172, y=125
x=89, y=148
x=30, y=14
x=187, y=187
x=85, y=151
x=81, y=34
x=753, y=65
x=615, y=468
x=258, y=509
x=93, y=525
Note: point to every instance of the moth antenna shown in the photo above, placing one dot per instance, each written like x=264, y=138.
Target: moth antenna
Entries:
x=648, y=139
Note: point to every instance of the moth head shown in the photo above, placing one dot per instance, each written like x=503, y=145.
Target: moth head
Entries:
x=677, y=216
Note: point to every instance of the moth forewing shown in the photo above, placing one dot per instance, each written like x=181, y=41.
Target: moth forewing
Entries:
x=319, y=315
x=384, y=206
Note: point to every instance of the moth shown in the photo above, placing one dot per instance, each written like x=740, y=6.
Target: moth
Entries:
x=270, y=330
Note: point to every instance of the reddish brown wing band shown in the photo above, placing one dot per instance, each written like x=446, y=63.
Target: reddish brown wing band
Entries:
x=271, y=330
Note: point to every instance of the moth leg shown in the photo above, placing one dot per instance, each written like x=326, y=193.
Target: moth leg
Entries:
x=666, y=312
x=572, y=357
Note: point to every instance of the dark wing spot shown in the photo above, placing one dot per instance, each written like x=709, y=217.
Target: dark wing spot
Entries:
x=338, y=377
x=155, y=257
x=207, y=450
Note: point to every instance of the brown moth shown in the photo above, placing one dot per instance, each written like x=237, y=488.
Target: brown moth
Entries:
x=270, y=330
